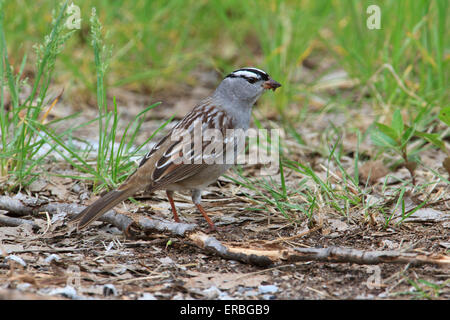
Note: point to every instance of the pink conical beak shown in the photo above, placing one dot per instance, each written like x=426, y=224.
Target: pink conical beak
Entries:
x=271, y=84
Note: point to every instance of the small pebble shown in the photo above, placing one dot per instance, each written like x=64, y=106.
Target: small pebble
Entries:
x=67, y=291
x=212, y=292
x=250, y=293
x=242, y=289
x=84, y=196
x=391, y=245
x=76, y=188
x=23, y=286
x=147, y=296
x=267, y=289
x=166, y=261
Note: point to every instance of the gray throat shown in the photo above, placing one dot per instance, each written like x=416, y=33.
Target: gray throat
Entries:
x=239, y=109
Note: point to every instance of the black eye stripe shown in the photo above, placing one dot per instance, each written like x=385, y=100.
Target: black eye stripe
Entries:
x=249, y=79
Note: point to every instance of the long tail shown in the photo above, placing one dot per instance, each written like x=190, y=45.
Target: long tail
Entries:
x=102, y=205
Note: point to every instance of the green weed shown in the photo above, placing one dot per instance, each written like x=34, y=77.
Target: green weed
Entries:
x=20, y=141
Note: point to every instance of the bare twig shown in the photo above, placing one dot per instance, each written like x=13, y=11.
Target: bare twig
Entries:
x=339, y=254
x=266, y=257
x=15, y=222
x=257, y=257
x=175, y=228
x=14, y=205
x=117, y=219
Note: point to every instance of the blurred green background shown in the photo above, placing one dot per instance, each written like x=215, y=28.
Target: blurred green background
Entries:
x=342, y=82
x=157, y=44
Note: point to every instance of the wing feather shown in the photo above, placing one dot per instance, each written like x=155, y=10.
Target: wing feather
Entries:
x=169, y=162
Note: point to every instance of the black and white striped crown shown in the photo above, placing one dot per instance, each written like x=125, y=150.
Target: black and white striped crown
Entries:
x=250, y=74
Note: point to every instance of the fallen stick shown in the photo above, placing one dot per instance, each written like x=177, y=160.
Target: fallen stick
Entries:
x=15, y=222
x=258, y=256
x=27, y=206
x=342, y=254
x=15, y=205
x=176, y=228
x=266, y=257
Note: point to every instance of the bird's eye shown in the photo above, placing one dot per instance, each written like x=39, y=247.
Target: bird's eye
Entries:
x=251, y=79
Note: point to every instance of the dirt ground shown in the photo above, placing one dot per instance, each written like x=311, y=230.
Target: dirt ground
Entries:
x=100, y=263
x=50, y=260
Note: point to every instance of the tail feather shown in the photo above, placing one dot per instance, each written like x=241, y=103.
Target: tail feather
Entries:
x=102, y=205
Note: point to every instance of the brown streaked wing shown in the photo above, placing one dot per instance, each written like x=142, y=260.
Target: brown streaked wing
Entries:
x=153, y=150
x=168, y=169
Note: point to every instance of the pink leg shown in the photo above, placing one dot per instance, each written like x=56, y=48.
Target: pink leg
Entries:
x=172, y=204
x=212, y=227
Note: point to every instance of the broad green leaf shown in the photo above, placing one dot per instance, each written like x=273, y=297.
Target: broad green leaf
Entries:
x=432, y=138
x=381, y=139
x=390, y=132
x=397, y=123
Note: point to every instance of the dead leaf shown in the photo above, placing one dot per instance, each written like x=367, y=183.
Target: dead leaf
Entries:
x=372, y=171
x=338, y=225
x=166, y=261
x=59, y=190
x=37, y=185
x=373, y=200
x=428, y=215
x=446, y=245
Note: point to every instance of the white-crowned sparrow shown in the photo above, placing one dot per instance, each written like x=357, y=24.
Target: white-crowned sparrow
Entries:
x=229, y=107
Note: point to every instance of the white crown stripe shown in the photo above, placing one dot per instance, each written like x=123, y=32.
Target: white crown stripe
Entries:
x=243, y=73
x=256, y=69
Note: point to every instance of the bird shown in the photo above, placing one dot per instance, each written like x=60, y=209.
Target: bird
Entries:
x=168, y=166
